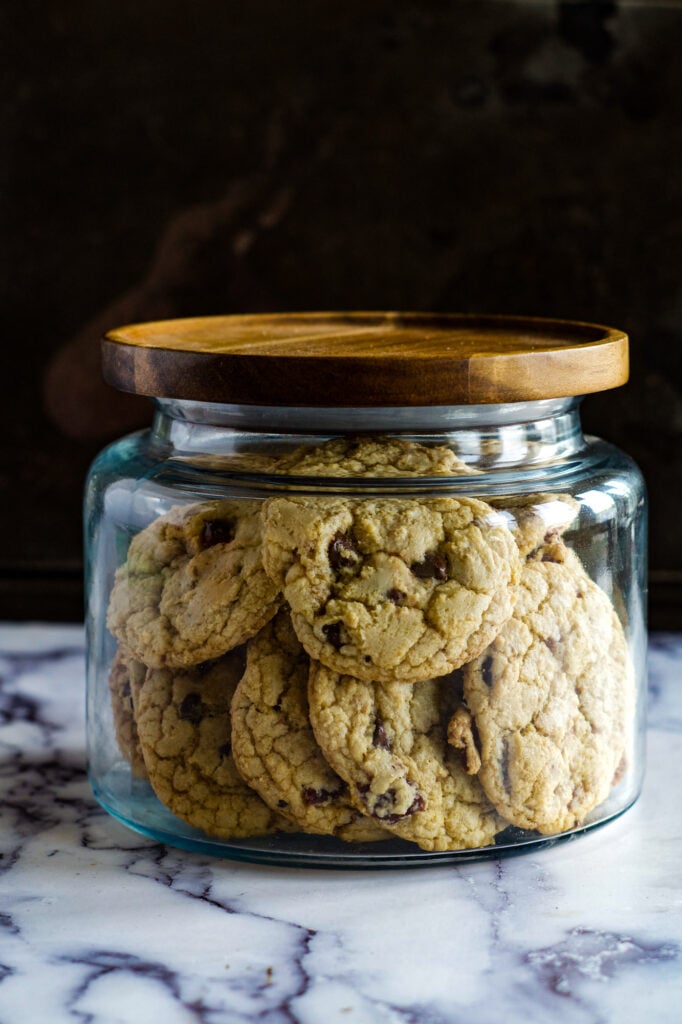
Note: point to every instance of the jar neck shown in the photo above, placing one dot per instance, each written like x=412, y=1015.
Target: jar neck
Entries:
x=483, y=436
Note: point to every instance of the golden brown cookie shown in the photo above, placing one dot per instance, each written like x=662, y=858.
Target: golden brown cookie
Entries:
x=193, y=585
x=391, y=589
x=273, y=743
x=462, y=735
x=231, y=462
x=124, y=674
x=552, y=698
x=389, y=742
x=183, y=721
x=372, y=457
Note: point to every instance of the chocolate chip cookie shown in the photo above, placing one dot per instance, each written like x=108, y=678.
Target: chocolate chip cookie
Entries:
x=273, y=743
x=183, y=721
x=552, y=698
x=389, y=742
x=392, y=589
x=373, y=457
x=193, y=586
x=231, y=462
x=537, y=519
x=125, y=674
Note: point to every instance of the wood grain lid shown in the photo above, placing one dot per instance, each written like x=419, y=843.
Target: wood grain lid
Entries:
x=364, y=359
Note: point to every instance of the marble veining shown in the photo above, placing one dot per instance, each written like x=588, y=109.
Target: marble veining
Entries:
x=101, y=926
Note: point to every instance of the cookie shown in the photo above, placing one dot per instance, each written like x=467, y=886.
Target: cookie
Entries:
x=537, y=519
x=461, y=734
x=391, y=589
x=559, y=553
x=124, y=674
x=193, y=586
x=389, y=742
x=183, y=722
x=231, y=462
x=273, y=743
x=552, y=698
x=373, y=457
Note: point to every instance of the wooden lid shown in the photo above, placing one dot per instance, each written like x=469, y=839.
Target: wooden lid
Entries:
x=364, y=359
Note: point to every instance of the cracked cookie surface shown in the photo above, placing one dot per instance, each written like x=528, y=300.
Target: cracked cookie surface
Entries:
x=392, y=589
x=193, y=585
x=380, y=457
x=273, y=742
x=389, y=742
x=552, y=698
x=183, y=721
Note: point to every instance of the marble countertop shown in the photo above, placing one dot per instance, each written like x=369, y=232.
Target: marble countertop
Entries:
x=101, y=926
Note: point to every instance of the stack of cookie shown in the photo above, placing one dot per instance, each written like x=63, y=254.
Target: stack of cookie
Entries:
x=432, y=668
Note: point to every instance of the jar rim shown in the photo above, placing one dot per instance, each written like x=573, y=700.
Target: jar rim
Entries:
x=364, y=359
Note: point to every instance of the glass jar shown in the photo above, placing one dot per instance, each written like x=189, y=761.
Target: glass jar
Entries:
x=364, y=594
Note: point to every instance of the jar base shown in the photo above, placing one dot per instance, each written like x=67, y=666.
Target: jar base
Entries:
x=137, y=808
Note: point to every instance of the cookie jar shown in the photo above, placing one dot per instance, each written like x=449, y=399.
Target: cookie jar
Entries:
x=364, y=594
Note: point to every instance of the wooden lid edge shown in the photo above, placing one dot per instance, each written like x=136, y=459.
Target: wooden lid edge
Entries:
x=346, y=381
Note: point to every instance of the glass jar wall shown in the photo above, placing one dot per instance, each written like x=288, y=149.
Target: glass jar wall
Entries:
x=379, y=635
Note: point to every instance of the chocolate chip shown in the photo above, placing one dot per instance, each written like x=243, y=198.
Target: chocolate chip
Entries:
x=418, y=804
x=487, y=670
x=332, y=632
x=191, y=708
x=476, y=735
x=380, y=739
x=225, y=750
x=387, y=799
x=216, y=531
x=396, y=596
x=342, y=552
x=434, y=567
x=551, y=643
x=312, y=797
x=282, y=803
x=384, y=800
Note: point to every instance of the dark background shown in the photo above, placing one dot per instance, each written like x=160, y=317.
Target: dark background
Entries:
x=168, y=159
